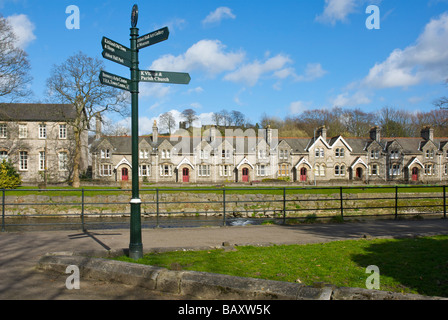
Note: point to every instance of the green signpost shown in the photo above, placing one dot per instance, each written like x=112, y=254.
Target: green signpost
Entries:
x=129, y=57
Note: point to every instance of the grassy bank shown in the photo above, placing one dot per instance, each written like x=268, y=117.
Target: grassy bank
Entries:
x=417, y=265
x=93, y=190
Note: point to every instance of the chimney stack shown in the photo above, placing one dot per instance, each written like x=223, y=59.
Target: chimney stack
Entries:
x=98, y=126
x=375, y=134
x=322, y=131
x=427, y=133
x=155, y=132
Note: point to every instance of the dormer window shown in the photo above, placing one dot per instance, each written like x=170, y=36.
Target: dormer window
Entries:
x=394, y=154
x=340, y=152
x=144, y=154
x=166, y=154
x=429, y=154
x=105, y=154
x=374, y=154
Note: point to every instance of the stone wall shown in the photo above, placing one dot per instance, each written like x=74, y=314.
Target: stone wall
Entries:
x=211, y=204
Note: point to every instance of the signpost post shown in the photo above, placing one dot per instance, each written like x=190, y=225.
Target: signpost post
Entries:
x=129, y=57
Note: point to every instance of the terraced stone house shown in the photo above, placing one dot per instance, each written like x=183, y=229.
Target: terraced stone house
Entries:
x=245, y=156
x=39, y=140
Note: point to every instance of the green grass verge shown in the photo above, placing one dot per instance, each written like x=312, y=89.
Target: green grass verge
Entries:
x=414, y=265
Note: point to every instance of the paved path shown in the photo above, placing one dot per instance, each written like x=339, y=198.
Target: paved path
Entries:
x=21, y=251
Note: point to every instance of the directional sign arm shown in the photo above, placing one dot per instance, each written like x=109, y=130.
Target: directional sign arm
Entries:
x=114, y=48
x=153, y=38
x=115, y=81
x=164, y=77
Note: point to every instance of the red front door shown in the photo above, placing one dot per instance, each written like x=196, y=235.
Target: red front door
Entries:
x=185, y=175
x=415, y=174
x=245, y=175
x=303, y=174
x=124, y=174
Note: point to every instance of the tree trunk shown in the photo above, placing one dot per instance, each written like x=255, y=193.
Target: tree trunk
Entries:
x=77, y=159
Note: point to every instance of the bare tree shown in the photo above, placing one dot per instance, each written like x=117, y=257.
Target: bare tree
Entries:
x=168, y=121
x=76, y=82
x=189, y=116
x=238, y=118
x=14, y=65
x=358, y=122
x=217, y=118
x=442, y=103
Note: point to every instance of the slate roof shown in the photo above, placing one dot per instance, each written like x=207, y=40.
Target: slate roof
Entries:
x=122, y=145
x=36, y=112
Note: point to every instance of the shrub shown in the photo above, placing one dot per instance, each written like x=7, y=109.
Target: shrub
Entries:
x=9, y=178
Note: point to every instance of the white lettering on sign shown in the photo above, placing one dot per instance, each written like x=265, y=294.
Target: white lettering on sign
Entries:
x=111, y=46
x=114, y=58
x=149, y=36
x=115, y=81
x=153, y=76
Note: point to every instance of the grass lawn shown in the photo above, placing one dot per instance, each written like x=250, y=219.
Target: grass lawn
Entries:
x=417, y=265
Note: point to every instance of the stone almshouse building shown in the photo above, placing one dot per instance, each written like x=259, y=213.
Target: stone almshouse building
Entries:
x=38, y=139
x=243, y=158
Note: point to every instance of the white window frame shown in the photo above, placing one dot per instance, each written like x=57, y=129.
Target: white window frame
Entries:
x=42, y=160
x=42, y=131
x=62, y=131
x=23, y=160
x=283, y=170
x=374, y=170
x=166, y=170
x=106, y=170
x=262, y=170
x=105, y=154
x=204, y=170
x=225, y=170
x=63, y=161
x=3, y=130
x=395, y=170
x=3, y=155
x=144, y=153
x=144, y=170
x=23, y=131
x=429, y=170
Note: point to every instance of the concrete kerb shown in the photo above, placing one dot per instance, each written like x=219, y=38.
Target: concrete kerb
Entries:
x=203, y=285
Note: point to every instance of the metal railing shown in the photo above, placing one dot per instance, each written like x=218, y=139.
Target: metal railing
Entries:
x=26, y=209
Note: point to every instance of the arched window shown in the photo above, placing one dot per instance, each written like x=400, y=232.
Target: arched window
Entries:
x=336, y=171
x=322, y=170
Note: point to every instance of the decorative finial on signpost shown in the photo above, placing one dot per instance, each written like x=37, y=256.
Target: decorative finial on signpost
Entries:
x=134, y=18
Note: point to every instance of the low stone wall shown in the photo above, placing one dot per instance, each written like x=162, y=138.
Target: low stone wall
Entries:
x=207, y=204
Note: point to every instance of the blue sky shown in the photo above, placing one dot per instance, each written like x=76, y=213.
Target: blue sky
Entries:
x=259, y=57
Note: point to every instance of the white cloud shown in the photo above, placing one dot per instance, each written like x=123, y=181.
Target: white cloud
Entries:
x=313, y=71
x=195, y=90
x=427, y=59
x=218, y=15
x=337, y=10
x=156, y=90
x=297, y=107
x=206, y=55
x=347, y=100
x=251, y=73
x=23, y=28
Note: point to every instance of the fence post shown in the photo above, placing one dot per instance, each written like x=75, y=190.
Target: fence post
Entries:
x=444, y=202
x=3, y=210
x=342, y=202
x=396, y=202
x=224, y=206
x=284, y=205
x=82, y=210
x=157, y=207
